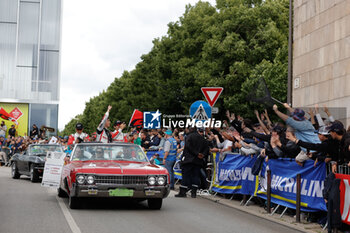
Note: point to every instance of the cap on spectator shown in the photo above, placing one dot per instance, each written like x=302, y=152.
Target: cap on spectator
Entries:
x=323, y=130
x=117, y=123
x=298, y=114
x=169, y=132
x=66, y=137
x=277, y=129
x=336, y=127
x=79, y=126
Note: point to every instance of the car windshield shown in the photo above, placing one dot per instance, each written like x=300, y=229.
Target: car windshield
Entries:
x=43, y=149
x=108, y=152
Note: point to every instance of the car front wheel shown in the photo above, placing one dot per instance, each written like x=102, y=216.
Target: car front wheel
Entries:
x=34, y=176
x=61, y=192
x=74, y=202
x=14, y=171
x=155, y=203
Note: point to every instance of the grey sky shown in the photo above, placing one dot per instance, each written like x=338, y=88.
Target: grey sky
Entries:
x=101, y=39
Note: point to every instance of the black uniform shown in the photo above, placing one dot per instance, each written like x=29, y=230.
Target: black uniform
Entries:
x=191, y=164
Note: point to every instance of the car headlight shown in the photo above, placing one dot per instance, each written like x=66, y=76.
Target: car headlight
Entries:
x=90, y=179
x=161, y=180
x=151, y=180
x=80, y=179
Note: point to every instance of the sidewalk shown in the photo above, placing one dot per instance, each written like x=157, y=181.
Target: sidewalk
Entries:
x=258, y=211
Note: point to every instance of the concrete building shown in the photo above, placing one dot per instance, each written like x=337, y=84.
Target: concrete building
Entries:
x=30, y=35
x=321, y=54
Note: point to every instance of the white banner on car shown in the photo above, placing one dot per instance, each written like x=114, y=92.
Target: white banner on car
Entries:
x=53, y=169
x=53, y=140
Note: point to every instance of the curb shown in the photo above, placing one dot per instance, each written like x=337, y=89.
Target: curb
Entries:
x=259, y=212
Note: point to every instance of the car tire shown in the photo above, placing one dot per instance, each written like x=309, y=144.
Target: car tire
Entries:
x=14, y=171
x=155, y=203
x=74, y=202
x=34, y=175
x=61, y=192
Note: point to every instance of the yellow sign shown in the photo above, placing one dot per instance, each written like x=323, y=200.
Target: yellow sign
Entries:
x=20, y=114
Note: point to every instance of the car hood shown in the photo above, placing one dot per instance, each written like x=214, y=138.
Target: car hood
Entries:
x=117, y=167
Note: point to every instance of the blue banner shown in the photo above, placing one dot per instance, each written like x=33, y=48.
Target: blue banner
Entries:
x=233, y=175
x=283, y=184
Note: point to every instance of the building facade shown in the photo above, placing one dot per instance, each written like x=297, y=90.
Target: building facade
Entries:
x=321, y=59
x=30, y=35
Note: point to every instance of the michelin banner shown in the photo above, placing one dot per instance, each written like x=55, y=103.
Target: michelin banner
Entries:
x=283, y=184
x=234, y=175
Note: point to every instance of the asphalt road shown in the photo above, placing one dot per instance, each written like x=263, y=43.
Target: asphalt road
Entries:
x=29, y=208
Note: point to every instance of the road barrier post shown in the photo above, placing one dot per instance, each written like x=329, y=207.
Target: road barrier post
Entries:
x=268, y=191
x=298, y=199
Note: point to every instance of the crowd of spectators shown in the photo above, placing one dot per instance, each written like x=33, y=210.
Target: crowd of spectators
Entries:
x=296, y=136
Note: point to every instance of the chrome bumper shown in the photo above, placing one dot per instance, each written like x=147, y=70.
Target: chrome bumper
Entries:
x=139, y=191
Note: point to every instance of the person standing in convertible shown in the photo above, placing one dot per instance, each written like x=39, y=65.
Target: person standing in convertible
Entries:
x=103, y=133
x=79, y=135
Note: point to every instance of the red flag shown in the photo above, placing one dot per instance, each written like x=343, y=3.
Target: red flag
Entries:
x=6, y=116
x=344, y=197
x=136, y=119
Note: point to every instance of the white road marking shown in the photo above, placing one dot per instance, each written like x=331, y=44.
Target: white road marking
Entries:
x=69, y=218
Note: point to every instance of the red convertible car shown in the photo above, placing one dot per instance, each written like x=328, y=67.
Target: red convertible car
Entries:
x=115, y=170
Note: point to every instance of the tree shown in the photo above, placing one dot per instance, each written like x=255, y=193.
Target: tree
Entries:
x=229, y=45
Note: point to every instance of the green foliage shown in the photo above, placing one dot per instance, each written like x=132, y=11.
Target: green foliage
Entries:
x=229, y=45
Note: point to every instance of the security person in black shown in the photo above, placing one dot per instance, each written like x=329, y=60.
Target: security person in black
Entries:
x=195, y=151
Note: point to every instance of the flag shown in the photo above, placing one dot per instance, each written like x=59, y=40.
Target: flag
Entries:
x=136, y=119
x=4, y=115
x=260, y=94
x=344, y=197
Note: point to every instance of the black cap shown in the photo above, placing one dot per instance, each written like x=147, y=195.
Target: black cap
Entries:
x=79, y=126
x=117, y=123
x=336, y=127
x=278, y=129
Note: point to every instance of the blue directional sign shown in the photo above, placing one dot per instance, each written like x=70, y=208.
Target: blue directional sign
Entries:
x=200, y=110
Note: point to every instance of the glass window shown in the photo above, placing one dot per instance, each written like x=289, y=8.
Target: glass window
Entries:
x=50, y=25
x=7, y=56
x=8, y=11
x=28, y=34
x=44, y=114
x=83, y=152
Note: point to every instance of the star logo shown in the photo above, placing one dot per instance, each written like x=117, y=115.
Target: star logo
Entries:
x=151, y=120
x=156, y=115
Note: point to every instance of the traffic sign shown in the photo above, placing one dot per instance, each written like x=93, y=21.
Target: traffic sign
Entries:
x=200, y=110
x=212, y=94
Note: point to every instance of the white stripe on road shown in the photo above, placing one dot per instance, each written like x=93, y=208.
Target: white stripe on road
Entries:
x=70, y=220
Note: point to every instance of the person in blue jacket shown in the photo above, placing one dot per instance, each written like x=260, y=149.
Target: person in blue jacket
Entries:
x=170, y=151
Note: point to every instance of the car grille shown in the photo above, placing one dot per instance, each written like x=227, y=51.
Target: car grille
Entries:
x=142, y=180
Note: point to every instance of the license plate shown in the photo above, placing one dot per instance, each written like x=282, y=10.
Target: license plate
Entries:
x=92, y=192
x=149, y=192
x=121, y=192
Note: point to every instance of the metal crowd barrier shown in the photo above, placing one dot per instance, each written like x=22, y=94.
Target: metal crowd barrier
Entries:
x=341, y=169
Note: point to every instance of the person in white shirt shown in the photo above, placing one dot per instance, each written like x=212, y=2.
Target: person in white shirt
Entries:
x=117, y=134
